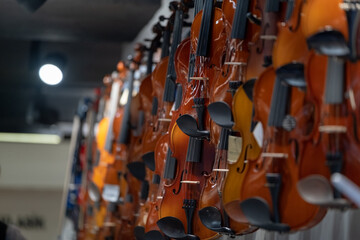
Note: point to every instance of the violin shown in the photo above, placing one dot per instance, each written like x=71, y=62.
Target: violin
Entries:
x=145, y=94
x=233, y=74
x=270, y=183
x=249, y=56
x=85, y=213
x=153, y=135
x=186, y=169
x=162, y=145
x=335, y=134
x=103, y=171
x=128, y=151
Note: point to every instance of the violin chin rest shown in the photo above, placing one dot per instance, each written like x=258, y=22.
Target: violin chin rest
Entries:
x=258, y=213
x=211, y=218
x=172, y=227
x=221, y=114
x=329, y=42
x=292, y=74
x=153, y=235
x=316, y=190
x=149, y=160
x=137, y=169
x=139, y=233
x=233, y=210
x=188, y=125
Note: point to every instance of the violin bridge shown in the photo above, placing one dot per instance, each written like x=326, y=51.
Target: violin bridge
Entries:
x=109, y=224
x=199, y=78
x=220, y=170
x=236, y=63
x=332, y=129
x=164, y=119
x=268, y=37
x=190, y=182
x=352, y=99
x=159, y=197
x=275, y=155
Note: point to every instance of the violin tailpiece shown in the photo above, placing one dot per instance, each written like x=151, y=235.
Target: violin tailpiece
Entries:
x=189, y=206
x=274, y=185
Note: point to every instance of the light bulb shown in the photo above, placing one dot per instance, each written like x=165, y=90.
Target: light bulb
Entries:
x=50, y=74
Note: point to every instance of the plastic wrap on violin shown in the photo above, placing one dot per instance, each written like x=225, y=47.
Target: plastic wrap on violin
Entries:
x=192, y=156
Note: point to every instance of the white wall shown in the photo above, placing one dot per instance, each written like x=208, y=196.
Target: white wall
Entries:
x=31, y=184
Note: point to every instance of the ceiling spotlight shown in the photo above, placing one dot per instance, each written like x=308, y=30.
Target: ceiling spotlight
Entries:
x=31, y=5
x=50, y=74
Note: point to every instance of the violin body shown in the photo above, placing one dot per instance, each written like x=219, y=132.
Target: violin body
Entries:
x=325, y=143
x=293, y=210
x=162, y=144
x=176, y=191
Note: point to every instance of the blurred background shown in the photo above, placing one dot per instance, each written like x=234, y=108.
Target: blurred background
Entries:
x=86, y=39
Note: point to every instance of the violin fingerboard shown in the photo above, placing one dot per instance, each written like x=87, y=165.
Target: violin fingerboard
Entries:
x=240, y=20
x=279, y=103
x=334, y=91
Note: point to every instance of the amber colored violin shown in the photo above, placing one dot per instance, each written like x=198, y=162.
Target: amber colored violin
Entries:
x=270, y=183
x=254, y=45
x=335, y=144
x=103, y=171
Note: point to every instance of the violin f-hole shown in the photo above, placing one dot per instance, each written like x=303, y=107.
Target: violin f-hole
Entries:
x=355, y=128
x=176, y=192
x=245, y=159
x=296, y=144
x=260, y=49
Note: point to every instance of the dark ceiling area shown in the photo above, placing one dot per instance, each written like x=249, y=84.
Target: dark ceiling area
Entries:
x=89, y=34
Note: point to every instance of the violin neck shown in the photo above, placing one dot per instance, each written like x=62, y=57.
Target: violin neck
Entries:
x=149, y=63
x=170, y=86
x=114, y=97
x=205, y=29
x=279, y=103
x=125, y=125
x=165, y=44
x=238, y=30
x=198, y=6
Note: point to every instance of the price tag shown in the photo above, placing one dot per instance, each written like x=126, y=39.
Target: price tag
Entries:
x=234, y=151
x=259, y=134
x=111, y=193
